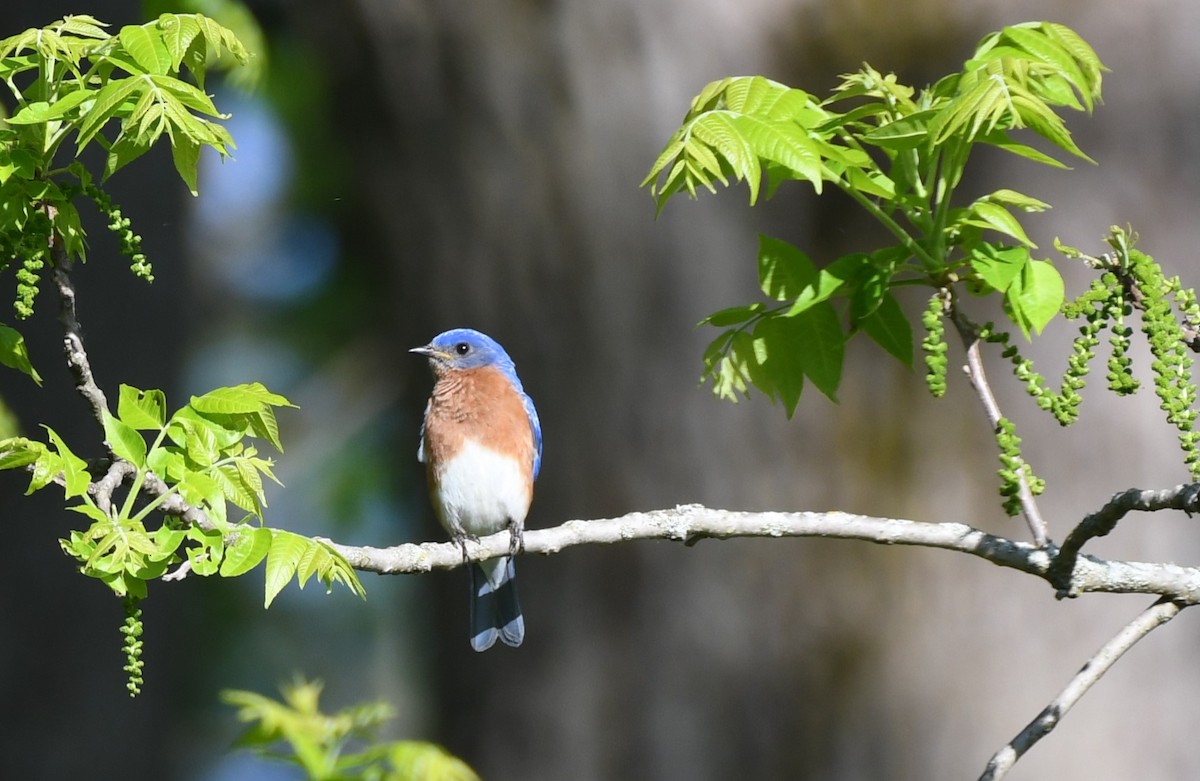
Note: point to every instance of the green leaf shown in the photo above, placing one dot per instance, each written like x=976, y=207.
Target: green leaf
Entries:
x=141, y=409
x=820, y=343
x=780, y=356
x=1042, y=120
x=1047, y=50
x=66, y=222
x=998, y=266
x=108, y=102
x=146, y=47
x=264, y=426
x=890, y=329
x=871, y=183
x=125, y=441
x=16, y=452
x=732, y=315
x=315, y=559
x=47, y=466
x=40, y=111
x=74, y=468
x=14, y=354
x=747, y=353
x=246, y=551
x=909, y=132
x=1001, y=140
x=127, y=149
x=224, y=430
x=199, y=488
x=1035, y=296
x=241, y=485
x=283, y=555
x=718, y=130
x=843, y=272
x=206, y=557
x=16, y=162
x=185, y=153
x=986, y=214
x=782, y=142
x=414, y=759
x=783, y=270
x=201, y=444
x=239, y=398
x=178, y=32
x=1013, y=198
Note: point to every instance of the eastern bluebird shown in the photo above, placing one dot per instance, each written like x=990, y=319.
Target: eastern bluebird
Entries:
x=481, y=444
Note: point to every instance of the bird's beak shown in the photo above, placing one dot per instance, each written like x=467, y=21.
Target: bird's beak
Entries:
x=429, y=351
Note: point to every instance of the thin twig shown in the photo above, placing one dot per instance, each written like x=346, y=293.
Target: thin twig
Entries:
x=1103, y=521
x=689, y=523
x=77, y=359
x=969, y=333
x=115, y=475
x=1155, y=616
x=175, y=504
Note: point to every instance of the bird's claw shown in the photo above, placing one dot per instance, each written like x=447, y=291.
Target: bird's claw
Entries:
x=516, y=539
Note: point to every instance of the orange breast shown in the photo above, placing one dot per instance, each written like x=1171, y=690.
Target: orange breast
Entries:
x=480, y=405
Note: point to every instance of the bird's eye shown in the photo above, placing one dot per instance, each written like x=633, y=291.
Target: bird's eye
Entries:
x=462, y=348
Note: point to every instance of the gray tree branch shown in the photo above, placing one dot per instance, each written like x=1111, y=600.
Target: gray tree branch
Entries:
x=1155, y=616
x=691, y=523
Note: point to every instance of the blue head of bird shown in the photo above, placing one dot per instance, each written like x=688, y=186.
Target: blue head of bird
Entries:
x=462, y=349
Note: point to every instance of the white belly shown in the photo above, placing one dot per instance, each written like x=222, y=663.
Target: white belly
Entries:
x=480, y=491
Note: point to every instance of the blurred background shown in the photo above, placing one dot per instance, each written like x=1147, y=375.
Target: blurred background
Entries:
x=405, y=167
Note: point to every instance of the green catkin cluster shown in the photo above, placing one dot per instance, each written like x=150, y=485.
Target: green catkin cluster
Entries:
x=1185, y=299
x=1172, y=364
x=1013, y=466
x=130, y=242
x=934, y=345
x=1103, y=305
x=31, y=249
x=132, y=645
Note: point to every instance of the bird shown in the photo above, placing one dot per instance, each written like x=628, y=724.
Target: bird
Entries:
x=481, y=443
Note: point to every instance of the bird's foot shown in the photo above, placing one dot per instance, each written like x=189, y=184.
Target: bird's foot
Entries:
x=516, y=539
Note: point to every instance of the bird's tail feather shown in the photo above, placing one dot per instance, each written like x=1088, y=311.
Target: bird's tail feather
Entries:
x=495, y=611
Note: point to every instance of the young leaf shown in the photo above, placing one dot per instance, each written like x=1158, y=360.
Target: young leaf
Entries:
x=16, y=452
x=108, y=102
x=141, y=409
x=125, y=441
x=908, y=133
x=1013, y=198
x=147, y=48
x=74, y=468
x=283, y=555
x=987, y=214
x=239, y=398
x=246, y=551
x=14, y=354
x=205, y=558
x=185, y=153
x=1035, y=296
x=998, y=266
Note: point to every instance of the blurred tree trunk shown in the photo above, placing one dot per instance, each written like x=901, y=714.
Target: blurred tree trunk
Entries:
x=496, y=154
